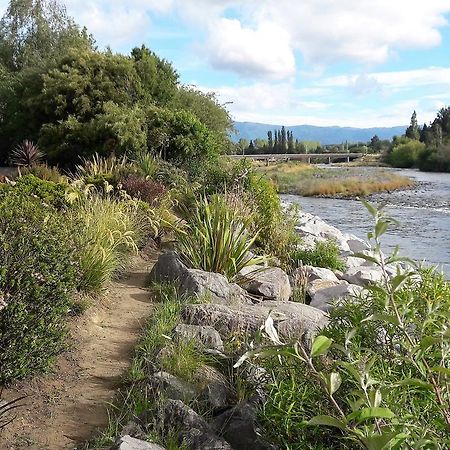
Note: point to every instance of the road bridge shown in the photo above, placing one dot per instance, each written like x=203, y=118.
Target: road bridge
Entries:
x=305, y=157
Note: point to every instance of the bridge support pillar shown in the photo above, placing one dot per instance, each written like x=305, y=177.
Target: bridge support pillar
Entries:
x=267, y=162
x=348, y=159
x=309, y=159
x=329, y=160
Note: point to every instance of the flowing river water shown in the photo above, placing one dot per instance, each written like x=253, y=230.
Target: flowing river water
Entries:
x=423, y=213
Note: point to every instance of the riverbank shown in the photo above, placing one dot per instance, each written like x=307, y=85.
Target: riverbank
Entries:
x=309, y=180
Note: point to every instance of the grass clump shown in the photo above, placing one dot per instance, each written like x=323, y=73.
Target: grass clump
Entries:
x=324, y=254
x=110, y=232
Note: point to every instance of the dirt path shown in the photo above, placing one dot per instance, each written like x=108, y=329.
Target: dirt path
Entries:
x=68, y=405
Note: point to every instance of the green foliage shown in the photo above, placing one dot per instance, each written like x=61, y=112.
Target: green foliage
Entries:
x=378, y=376
x=216, y=239
x=45, y=173
x=30, y=186
x=405, y=152
x=324, y=254
x=110, y=232
x=38, y=273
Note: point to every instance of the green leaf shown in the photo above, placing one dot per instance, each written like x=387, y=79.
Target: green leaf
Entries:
x=371, y=413
x=372, y=210
x=381, y=228
x=382, y=318
x=334, y=381
x=380, y=442
x=367, y=258
x=327, y=421
x=416, y=383
x=320, y=346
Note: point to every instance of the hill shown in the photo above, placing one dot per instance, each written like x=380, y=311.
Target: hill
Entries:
x=324, y=135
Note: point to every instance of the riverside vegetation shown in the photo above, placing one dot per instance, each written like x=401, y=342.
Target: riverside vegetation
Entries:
x=141, y=162
x=307, y=180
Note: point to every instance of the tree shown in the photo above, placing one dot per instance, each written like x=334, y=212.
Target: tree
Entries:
x=270, y=141
x=291, y=146
x=36, y=33
x=283, y=140
x=375, y=144
x=413, y=132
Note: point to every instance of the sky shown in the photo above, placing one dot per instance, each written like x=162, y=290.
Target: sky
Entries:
x=356, y=63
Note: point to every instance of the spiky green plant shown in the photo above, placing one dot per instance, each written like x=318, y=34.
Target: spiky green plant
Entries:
x=99, y=165
x=146, y=163
x=216, y=238
x=26, y=154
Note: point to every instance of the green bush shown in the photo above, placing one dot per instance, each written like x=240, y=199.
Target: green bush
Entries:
x=324, y=254
x=45, y=173
x=216, y=239
x=38, y=273
x=405, y=153
x=29, y=185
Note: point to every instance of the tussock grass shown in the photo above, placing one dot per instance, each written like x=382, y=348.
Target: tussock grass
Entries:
x=111, y=232
x=307, y=180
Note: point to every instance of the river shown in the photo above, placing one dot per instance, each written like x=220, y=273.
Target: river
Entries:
x=423, y=213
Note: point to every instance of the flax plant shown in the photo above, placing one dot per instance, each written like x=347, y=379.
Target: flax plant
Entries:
x=216, y=238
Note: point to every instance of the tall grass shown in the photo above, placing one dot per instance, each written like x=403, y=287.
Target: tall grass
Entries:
x=216, y=238
x=99, y=165
x=110, y=232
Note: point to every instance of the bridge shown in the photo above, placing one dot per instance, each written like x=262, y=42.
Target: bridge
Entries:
x=306, y=157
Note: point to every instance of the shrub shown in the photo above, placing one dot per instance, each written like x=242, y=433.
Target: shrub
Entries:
x=405, y=153
x=148, y=191
x=324, y=254
x=110, y=232
x=45, y=173
x=146, y=164
x=29, y=185
x=38, y=273
x=216, y=239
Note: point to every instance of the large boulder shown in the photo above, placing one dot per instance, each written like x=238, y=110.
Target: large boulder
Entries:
x=214, y=286
x=363, y=275
x=193, y=431
x=293, y=320
x=356, y=244
x=130, y=443
x=239, y=426
x=312, y=227
x=324, y=299
x=203, y=337
x=317, y=273
x=173, y=387
x=319, y=285
x=270, y=283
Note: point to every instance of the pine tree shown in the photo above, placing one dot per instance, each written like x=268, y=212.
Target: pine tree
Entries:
x=412, y=131
x=291, y=147
x=275, y=145
x=270, y=141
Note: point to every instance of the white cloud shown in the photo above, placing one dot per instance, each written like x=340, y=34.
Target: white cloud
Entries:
x=262, y=51
x=395, y=80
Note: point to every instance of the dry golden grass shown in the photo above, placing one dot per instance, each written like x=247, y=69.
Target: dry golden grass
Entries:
x=309, y=180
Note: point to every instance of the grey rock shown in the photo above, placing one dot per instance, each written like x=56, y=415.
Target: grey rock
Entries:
x=356, y=244
x=134, y=430
x=325, y=298
x=318, y=285
x=240, y=428
x=270, y=283
x=193, y=431
x=318, y=273
x=168, y=268
x=204, y=337
x=173, y=387
x=213, y=286
x=130, y=443
x=217, y=392
x=293, y=320
x=363, y=275
x=353, y=261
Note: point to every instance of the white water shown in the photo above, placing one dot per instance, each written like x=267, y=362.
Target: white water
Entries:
x=423, y=214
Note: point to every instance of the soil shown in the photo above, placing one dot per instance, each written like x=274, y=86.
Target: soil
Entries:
x=69, y=405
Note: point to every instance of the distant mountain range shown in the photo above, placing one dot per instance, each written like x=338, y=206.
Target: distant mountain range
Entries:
x=324, y=135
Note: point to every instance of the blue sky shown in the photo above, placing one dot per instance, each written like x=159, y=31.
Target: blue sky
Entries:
x=320, y=62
